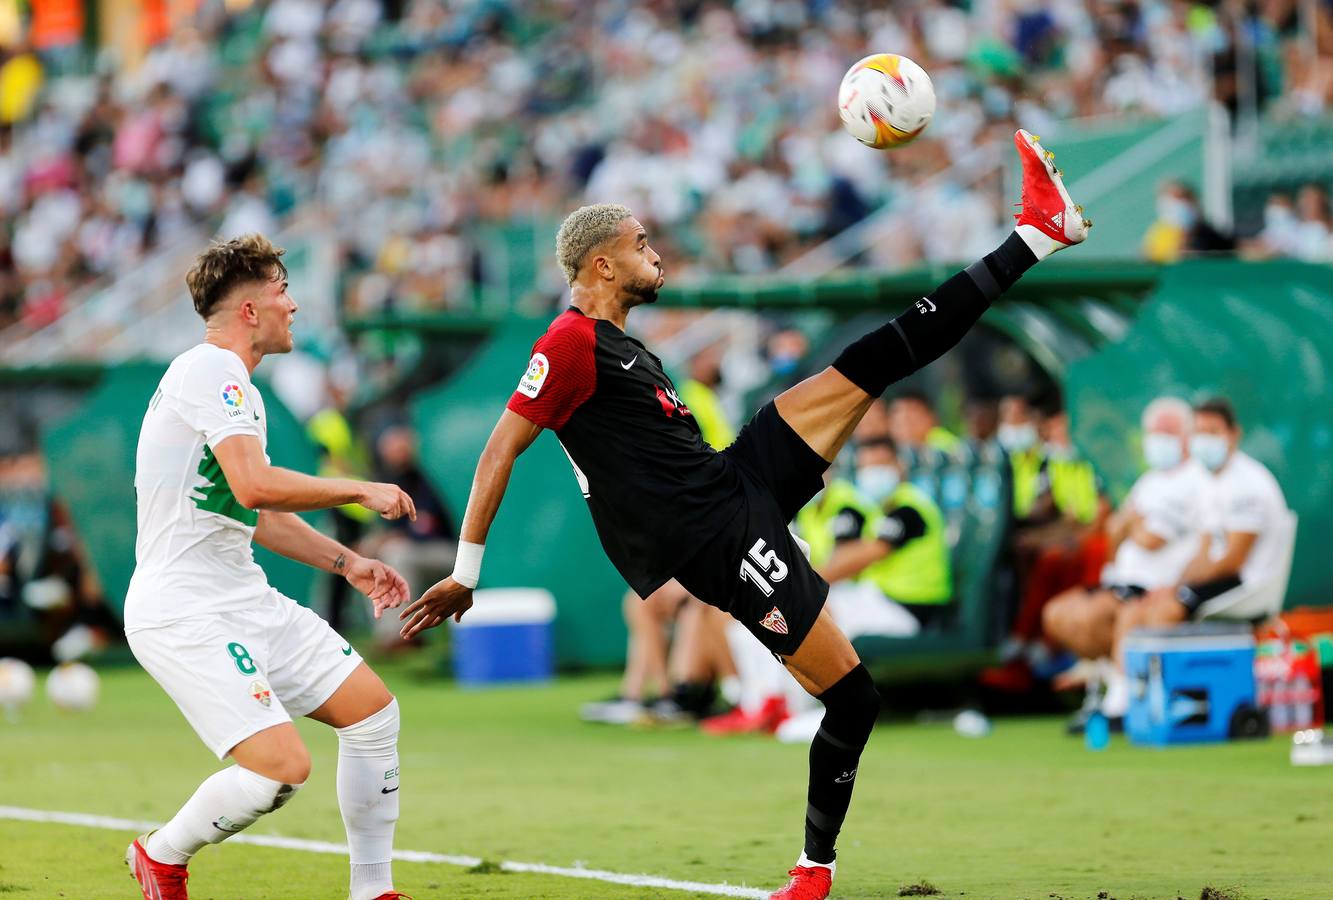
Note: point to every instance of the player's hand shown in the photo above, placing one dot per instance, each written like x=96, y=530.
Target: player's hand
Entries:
x=446, y=598
x=389, y=500
x=385, y=587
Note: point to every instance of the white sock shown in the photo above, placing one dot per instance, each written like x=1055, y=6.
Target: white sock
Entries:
x=1116, y=702
x=1041, y=244
x=808, y=862
x=368, y=798
x=227, y=802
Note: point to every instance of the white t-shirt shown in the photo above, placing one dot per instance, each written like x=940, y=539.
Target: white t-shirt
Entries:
x=193, y=552
x=1246, y=497
x=1170, y=504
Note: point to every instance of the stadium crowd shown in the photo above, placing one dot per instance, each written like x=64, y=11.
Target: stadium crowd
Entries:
x=419, y=123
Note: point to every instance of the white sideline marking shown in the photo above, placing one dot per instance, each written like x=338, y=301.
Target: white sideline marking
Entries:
x=111, y=823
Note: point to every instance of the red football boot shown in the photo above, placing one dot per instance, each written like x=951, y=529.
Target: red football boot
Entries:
x=158, y=881
x=1046, y=204
x=766, y=718
x=807, y=883
x=393, y=895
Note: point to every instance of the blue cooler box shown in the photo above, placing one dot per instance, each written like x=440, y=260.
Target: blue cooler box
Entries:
x=1191, y=684
x=508, y=635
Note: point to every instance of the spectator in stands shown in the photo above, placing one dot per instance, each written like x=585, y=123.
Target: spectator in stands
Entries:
x=1279, y=235
x=1180, y=228
x=422, y=550
x=1246, y=537
x=914, y=426
x=1062, y=545
x=982, y=418
x=1313, y=238
x=1154, y=534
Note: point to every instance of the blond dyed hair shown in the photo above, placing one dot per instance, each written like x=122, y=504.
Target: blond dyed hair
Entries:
x=584, y=229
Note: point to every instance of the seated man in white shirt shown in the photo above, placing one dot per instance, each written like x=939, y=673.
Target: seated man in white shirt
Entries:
x=1245, y=534
x=1153, y=535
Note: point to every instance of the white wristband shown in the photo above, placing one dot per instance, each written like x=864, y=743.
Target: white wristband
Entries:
x=467, y=565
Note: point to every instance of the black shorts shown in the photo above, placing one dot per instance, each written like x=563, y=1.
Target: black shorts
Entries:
x=1193, y=596
x=754, y=569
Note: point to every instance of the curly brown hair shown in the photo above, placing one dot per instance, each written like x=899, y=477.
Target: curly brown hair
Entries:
x=228, y=264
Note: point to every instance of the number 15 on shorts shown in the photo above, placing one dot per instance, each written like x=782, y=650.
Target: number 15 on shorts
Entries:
x=762, y=568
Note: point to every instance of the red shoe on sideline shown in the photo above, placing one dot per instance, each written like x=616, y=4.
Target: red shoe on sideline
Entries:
x=1046, y=204
x=766, y=719
x=393, y=895
x=1013, y=677
x=807, y=883
x=158, y=881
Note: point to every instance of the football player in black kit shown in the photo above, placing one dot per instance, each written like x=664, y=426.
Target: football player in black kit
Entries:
x=666, y=505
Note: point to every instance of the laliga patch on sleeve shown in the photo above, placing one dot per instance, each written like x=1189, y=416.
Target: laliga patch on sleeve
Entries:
x=530, y=385
x=233, y=398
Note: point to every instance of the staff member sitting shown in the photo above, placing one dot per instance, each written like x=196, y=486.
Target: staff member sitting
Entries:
x=890, y=572
x=1245, y=534
x=1153, y=535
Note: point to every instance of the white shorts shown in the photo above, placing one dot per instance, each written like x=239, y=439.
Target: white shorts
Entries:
x=236, y=673
x=858, y=607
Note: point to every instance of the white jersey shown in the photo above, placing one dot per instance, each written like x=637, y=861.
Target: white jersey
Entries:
x=1171, y=505
x=193, y=552
x=1245, y=497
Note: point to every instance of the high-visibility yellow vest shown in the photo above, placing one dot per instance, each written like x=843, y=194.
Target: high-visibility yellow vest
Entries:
x=919, y=571
x=814, y=522
x=1026, y=465
x=1074, y=488
x=703, y=402
x=943, y=440
x=342, y=457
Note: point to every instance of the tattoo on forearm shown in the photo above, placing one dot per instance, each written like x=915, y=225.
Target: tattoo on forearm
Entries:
x=340, y=563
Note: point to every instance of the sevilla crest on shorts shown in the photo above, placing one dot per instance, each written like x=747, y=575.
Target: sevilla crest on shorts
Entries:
x=775, y=622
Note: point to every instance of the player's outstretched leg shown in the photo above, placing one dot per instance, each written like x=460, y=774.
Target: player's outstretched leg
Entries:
x=825, y=408
x=826, y=665
x=365, y=716
x=270, y=767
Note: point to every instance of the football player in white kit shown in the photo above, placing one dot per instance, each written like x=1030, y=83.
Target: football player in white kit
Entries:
x=238, y=658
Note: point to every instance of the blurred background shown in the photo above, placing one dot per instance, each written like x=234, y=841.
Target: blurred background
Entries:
x=416, y=156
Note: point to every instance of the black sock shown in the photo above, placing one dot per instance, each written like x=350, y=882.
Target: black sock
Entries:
x=934, y=324
x=851, y=707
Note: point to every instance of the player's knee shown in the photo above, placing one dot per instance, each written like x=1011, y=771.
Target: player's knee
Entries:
x=272, y=791
x=375, y=735
x=852, y=706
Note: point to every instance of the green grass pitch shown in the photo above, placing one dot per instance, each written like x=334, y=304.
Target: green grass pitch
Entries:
x=510, y=774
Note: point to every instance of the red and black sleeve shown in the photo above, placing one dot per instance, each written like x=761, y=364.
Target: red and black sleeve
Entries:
x=561, y=375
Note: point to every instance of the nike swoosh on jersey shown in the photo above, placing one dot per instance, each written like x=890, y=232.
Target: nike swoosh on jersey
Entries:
x=626, y=366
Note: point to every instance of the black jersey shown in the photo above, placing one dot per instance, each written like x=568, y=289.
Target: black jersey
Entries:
x=656, y=491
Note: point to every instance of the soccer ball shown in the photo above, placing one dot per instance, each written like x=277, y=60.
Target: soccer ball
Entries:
x=72, y=686
x=886, y=100
x=16, y=683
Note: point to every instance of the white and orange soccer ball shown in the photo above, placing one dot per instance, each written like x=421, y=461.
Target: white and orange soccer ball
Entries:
x=886, y=100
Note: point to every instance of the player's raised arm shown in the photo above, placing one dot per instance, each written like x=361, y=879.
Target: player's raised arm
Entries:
x=259, y=485
x=453, y=596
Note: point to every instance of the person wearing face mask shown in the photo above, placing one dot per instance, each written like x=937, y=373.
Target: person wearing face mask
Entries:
x=1017, y=434
x=1060, y=545
x=1245, y=536
x=1180, y=229
x=889, y=570
x=1153, y=535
